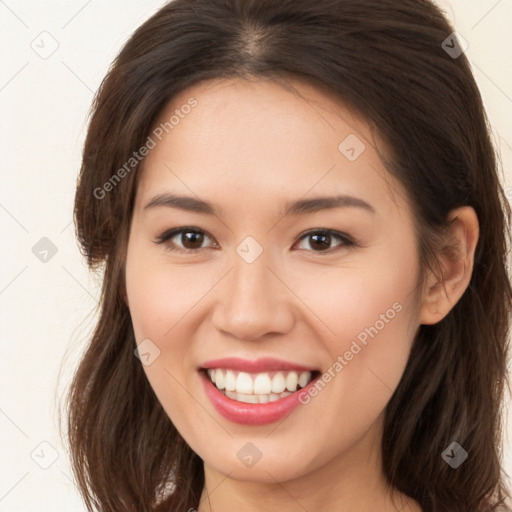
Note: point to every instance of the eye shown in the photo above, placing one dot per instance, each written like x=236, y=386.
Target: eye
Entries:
x=192, y=239
x=185, y=239
x=320, y=240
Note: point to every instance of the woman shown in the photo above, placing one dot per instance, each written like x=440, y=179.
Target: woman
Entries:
x=305, y=299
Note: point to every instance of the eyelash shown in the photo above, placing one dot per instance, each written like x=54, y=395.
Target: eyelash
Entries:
x=165, y=237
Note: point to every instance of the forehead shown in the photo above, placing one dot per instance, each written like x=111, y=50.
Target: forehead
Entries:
x=263, y=137
x=288, y=106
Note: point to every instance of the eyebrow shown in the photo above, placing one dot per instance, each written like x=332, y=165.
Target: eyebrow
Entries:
x=187, y=203
x=300, y=207
x=318, y=204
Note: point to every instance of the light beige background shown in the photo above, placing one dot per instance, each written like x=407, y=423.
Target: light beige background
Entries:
x=47, y=308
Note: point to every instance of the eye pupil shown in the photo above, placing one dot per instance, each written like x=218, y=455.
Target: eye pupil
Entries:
x=321, y=241
x=194, y=239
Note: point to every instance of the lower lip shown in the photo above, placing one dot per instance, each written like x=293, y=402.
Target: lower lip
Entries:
x=251, y=414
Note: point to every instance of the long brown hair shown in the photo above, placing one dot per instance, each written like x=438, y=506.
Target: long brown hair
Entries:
x=390, y=61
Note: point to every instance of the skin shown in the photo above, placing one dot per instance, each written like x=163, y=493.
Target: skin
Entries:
x=249, y=147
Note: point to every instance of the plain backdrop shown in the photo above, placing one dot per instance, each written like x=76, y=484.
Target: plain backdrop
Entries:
x=54, y=55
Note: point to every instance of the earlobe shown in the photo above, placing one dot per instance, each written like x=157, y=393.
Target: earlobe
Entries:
x=456, y=264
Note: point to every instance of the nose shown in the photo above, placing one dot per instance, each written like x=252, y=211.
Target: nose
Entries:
x=253, y=302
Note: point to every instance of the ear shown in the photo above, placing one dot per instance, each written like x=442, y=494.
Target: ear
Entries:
x=440, y=297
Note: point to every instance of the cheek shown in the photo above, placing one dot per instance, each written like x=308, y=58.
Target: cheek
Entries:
x=162, y=295
x=364, y=298
x=161, y=302
x=368, y=321
x=380, y=312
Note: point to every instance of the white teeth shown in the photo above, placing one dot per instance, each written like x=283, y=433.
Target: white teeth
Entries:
x=263, y=399
x=292, y=380
x=262, y=384
x=256, y=399
x=219, y=379
x=244, y=384
x=258, y=388
x=248, y=399
x=230, y=381
x=278, y=383
x=304, y=379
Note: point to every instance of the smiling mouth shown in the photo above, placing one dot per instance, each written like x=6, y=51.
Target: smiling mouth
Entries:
x=258, y=388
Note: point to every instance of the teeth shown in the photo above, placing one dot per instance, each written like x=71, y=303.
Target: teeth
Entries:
x=260, y=387
x=244, y=384
x=248, y=399
x=230, y=381
x=263, y=399
x=292, y=380
x=256, y=399
x=278, y=383
x=219, y=379
x=304, y=379
x=262, y=384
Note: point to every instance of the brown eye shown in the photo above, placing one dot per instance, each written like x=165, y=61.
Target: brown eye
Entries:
x=322, y=240
x=192, y=239
x=184, y=239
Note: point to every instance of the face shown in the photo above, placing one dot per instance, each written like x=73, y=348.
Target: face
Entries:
x=271, y=252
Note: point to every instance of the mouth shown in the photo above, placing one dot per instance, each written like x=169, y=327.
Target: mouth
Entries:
x=261, y=387
x=255, y=392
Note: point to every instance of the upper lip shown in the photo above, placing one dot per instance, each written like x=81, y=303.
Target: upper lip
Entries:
x=265, y=364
